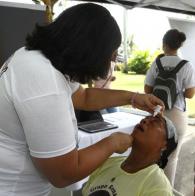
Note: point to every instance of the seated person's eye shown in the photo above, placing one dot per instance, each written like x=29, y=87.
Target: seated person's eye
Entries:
x=159, y=116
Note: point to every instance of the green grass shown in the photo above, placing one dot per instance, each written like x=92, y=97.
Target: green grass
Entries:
x=135, y=83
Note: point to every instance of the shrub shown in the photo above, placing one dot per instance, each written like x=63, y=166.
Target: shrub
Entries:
x=139, y=62
x=119, y=66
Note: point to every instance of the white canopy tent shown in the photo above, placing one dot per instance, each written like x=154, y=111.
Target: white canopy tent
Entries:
x=178, y=6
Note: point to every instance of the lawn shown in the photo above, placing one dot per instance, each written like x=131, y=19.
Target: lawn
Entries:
x=135, y=83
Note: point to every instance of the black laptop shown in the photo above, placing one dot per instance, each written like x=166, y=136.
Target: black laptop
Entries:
x=94, y=123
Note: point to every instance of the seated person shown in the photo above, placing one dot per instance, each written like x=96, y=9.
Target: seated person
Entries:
x=139, y=174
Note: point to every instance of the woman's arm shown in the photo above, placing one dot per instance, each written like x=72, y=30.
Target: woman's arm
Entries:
x=78, y=164
x=189, y=93
x=96, y=99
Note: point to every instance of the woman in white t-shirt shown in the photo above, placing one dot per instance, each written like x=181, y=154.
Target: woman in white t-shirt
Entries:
x=172, y=41
x=40, y=88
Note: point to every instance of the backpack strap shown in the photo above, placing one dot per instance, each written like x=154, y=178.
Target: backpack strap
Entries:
x=158, y=63
x=160, y=55
x=179, y=66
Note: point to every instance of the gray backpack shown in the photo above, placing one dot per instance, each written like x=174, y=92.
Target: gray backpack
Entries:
x=165, y=86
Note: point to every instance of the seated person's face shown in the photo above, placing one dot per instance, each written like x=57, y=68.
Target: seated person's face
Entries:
x=150, y=134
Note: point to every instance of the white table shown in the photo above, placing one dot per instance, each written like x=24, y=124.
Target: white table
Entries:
x=125, y=122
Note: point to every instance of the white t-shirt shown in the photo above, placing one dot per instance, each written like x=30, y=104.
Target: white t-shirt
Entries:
x=37, y=118
x=185, y=77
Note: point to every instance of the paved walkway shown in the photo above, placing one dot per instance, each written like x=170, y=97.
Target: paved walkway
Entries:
x=191, y=124
x=184, y=179
x=191, y=128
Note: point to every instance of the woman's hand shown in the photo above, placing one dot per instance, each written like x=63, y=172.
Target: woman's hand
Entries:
x=146, y=102
x=121, y=141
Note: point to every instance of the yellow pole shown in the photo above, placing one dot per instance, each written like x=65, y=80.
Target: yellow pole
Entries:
x=49, y=9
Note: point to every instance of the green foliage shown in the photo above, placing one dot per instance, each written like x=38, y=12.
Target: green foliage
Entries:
x=119, y=66
x=155, y=54
x=36, y=1
x=139, y=62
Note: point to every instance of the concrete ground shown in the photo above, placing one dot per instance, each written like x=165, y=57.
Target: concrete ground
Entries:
x=185, y=173
x=191, y=128
x=191, y=125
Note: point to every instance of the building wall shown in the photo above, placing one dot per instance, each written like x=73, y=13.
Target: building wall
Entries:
x=187, y=51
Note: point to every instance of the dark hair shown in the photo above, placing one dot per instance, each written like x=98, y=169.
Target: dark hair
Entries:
x=174, y=39
x=80, y=42
x=170, y=147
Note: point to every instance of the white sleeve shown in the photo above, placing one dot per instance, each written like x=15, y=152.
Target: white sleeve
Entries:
x=47, y=125
x=151, y=75
x=42, y=99
x=189, y=76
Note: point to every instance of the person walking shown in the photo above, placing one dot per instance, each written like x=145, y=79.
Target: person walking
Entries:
x=185, y=84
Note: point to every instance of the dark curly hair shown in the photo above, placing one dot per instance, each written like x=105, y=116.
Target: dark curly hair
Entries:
x=80, y=42
x=174, y=39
